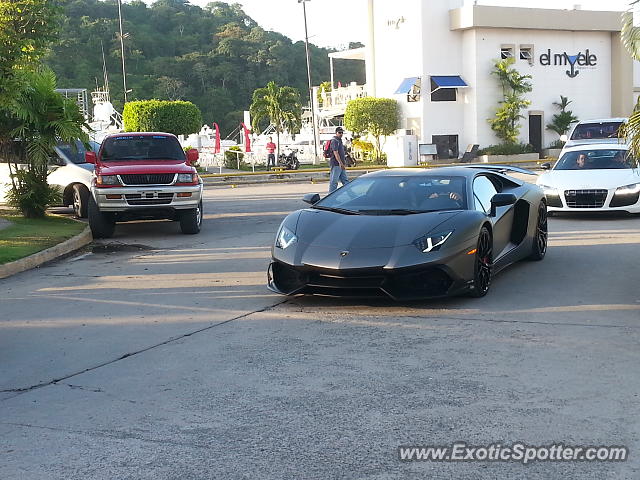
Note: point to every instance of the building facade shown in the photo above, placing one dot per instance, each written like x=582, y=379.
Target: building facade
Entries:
x=435, y=57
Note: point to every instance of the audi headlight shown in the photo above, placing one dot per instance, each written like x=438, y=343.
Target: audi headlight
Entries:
x=628, y=189
x=548, y=190
x=186, y=178
x=430, y=243
x=107, y=180
x=285, y=238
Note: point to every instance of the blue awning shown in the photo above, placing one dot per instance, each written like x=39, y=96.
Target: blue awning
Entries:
x=448, y=81
x=406, y=85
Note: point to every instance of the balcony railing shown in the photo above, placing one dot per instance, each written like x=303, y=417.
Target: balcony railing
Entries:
x=339, y=97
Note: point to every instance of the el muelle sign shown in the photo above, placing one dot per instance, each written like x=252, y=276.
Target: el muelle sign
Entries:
x=586, y=59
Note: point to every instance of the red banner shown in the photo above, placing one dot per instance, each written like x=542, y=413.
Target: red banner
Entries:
x=247, y=140
x=217, y=145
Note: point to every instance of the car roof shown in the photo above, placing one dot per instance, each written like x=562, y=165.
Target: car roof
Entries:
x=603, y=120
x=597, y=146
x=139, y=134
x=418, y=172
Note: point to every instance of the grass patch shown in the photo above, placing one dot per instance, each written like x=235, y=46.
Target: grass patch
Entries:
x=26, y=236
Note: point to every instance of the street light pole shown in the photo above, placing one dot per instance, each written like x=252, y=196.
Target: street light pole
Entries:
x=313, y=112
x=124, y=74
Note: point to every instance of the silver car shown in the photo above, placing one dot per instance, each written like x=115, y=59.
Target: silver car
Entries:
x=72, y=174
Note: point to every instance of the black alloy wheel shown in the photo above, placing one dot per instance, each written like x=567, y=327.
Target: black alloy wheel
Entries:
x=483, y=268
x=540, y=240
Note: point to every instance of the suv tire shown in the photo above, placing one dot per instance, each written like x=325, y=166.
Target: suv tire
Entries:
x=191, y=220
x=102, y=224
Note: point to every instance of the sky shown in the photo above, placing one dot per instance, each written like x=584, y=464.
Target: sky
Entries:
x=348, y=17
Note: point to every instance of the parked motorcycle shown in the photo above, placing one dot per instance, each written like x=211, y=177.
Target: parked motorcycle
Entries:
x=289, y=160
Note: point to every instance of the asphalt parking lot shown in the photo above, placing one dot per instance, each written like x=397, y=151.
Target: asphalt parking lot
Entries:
x=157, y=355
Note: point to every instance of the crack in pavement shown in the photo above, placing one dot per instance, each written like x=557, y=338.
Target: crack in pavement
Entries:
x=20, y=391
x=119, y=436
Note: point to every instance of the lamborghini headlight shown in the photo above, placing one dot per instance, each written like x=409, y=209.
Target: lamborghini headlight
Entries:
x=628, y=189
x=285, y=238
x=430, y=243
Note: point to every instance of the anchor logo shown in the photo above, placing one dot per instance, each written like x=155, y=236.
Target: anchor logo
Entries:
x=572, y=61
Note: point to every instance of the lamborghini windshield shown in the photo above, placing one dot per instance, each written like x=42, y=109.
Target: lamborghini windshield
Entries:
x=591, y=159
x=397, y=195
x=141, y=147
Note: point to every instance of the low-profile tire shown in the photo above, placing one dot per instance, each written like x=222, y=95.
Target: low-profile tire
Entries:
x=191, y=220
x=102, y=224
x=80, y=200
x=483, y=264
x=539, y=247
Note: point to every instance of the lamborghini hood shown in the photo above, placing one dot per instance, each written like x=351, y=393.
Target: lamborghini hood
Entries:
x=335, y=230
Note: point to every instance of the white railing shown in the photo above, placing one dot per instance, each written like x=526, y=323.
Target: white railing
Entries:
x=339, y=97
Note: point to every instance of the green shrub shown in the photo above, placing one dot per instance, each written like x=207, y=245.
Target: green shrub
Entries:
x=231, y=159
x=31, y=196
x=506, y=149
x=179, y=118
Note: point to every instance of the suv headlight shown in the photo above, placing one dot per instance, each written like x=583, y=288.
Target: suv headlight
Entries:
x=285, y=238
x=107, y=180
x=628, y=189
x=186, y=178
x=430, y=243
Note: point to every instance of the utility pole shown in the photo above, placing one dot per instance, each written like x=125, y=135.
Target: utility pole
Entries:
x=124, y=72
x=311, y=100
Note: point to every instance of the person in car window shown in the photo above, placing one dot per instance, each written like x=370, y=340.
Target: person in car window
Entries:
x=581, y=161
x=619, y=160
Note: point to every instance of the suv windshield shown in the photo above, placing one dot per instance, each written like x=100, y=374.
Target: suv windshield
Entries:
x=141, y=147
x=397, y=195
x=76, y=155
x=596, y=160
x=588, y=131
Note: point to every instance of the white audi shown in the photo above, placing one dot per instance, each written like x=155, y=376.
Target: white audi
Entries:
x=596, y=177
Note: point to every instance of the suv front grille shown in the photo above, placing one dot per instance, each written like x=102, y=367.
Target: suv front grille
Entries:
x=149, y=199
x=585, y=198
x=148, y=179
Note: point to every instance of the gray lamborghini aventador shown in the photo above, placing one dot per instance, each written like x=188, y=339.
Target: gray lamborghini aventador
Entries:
x=410, y=234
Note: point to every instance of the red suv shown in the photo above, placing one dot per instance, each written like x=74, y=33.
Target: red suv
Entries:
x=141, y=176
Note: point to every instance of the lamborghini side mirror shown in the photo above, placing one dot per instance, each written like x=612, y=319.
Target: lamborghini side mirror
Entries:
x=311, y=198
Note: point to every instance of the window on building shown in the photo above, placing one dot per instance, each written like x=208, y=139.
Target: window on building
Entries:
x=446, y=145
x=414, y=93
x=443, y=94
x=507, y=51
x=526, y=53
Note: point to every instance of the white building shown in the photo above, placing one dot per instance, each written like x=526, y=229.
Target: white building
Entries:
x=435, y=58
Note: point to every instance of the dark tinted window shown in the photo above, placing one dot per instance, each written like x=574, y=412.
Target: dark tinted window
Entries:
x=587, y=131
x=76, y=155
x=483, y=191
x=413, y=193
x=141, y=147
x=595, y=160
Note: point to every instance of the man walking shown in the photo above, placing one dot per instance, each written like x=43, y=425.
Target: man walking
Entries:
x=271, y=157
x=337, y=161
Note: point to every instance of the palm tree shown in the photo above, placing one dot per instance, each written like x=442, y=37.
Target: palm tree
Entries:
x=43, y=118
x=631, y=40
x=280, y=105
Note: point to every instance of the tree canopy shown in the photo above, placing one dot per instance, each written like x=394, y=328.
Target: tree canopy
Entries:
x=214, y=56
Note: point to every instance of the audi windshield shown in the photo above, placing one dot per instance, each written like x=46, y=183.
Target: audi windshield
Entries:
x=596, y=160
x=141, y=147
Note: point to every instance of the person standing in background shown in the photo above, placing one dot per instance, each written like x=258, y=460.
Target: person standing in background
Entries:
x=337, y=162
x=271, y=154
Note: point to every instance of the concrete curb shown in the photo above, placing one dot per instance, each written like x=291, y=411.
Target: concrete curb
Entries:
x=37, y=259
